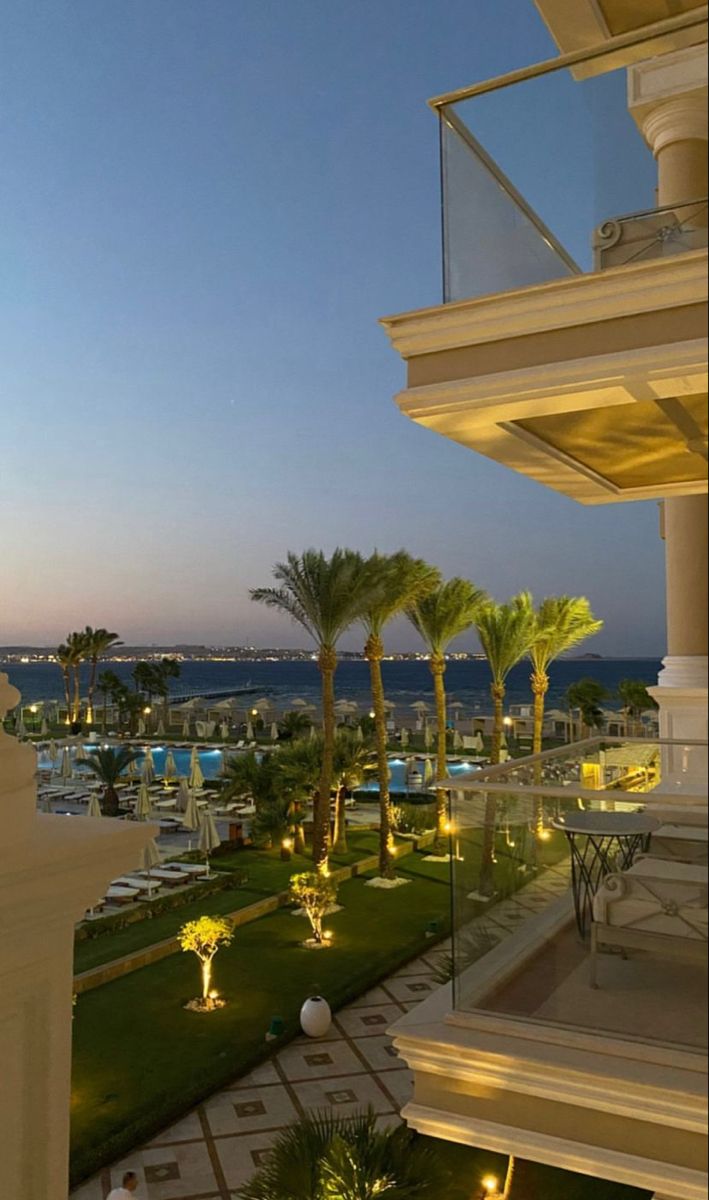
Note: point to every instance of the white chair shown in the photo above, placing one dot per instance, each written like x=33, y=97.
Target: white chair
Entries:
x=655, y=905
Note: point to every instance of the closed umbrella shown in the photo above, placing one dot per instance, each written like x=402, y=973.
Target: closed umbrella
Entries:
x=80, y=754
x=183, y=795
x=404, y=738
x=65, y=768
x=457, y=741
x=186, y=727
x=359, y=734
x=427, y=772
x=143, y=804
x=274, y=732
x=170, y=768
x=209, y=838
x=196, y=778
x=224, y=731
x=190, y=818
x=249, y=731
x=313, y=733
x=44, y=728
x=53, y=751
x=478, y=743
x=160, y=731
x=20, y=729
x=141, y=727
x=427, y=737
x=147, y=772
x=150, y=856
x=94, y=807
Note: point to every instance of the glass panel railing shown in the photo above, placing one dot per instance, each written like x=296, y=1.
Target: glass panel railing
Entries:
x=512, y=835
x=538, y=174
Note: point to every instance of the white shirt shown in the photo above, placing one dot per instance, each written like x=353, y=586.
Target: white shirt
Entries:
x=120, y=1193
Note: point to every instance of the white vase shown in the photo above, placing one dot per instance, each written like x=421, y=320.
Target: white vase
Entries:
x=315, y=1017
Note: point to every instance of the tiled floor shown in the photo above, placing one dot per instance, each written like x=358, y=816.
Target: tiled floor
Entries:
x=215, y=1149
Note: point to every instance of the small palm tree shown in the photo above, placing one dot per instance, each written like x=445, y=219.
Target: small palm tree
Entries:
x=294, y=725
x=98, y=641
x=562, y=622
x=439, y=617
x=349, y=762
x=325, y=596
x=587, y=695
x=109, y=685
x=507, y=633
x=636, y=700
x=401, y=581
x=108, y=766
x=324, y=1157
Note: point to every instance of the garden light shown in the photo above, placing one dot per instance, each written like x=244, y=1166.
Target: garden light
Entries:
x=490, y=1185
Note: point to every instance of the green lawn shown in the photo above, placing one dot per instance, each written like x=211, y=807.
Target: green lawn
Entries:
x=532, y=1182
x=141, y=1060
x=265, y=875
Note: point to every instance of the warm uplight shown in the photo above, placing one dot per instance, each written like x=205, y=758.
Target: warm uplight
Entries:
x=33, y=708
x=214, y=995
x=287, y=843
x=147, y=710
x=449, y=827
x=544, y=835
x=372, y=715
x=508, y=721
x=491, y=1185
x=254, y=712
x=328, y=935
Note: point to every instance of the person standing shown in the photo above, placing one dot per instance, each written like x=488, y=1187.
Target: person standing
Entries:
x=129, y=1186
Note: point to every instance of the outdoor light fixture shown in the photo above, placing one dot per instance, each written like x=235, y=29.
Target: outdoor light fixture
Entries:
x=286, y=849
x=372, y=715
x=147, y=710
x=276, y=1029
x=490, y=1186
x=33, y=708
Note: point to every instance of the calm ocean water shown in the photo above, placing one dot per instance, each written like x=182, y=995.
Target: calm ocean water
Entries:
x=405, y=682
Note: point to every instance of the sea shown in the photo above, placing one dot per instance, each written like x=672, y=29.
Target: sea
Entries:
x=404, y=681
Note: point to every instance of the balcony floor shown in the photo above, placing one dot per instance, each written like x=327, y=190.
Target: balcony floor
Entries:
x=646, y=997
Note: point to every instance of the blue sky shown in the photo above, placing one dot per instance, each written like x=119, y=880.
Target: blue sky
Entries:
x=206, y=207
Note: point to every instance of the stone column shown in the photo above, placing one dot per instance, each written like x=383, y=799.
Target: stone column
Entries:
x=51, y=870
x=668, y=98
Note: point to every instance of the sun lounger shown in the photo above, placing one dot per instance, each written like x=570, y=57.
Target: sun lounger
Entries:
x=169, y=878
x=188, y=868
x=166, y=803
x=142, y=884
x=121, y=895
x=655, y=905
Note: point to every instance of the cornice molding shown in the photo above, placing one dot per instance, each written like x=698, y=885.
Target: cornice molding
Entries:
x=579, y=1158
x=575, y=301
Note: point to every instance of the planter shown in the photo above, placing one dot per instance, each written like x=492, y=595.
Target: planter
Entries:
x=315, y=1017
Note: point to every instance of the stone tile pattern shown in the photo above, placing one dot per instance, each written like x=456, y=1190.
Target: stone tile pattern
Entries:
x=216, y=1149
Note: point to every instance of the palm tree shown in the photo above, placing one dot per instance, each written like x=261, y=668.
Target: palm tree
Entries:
x=64, y=657
x=507, y=633
x=439, y=617
x=299, y=770
x=587, y=695
x=108, y=684
x=108, y=766
x=325, y=597
x=636, y=700
x=165, y=670
x=325, y=1157
x=349, y=762
x=77, y=646
x=562, y=622
x=401, y=582
x=294, y=725
x=98, y=641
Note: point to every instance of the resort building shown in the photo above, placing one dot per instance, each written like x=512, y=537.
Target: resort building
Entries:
x=571, y=347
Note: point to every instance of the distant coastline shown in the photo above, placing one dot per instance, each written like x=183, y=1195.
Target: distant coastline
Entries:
x=253, y=654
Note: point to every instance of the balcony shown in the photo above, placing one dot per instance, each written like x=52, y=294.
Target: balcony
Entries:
x=571, y=344
x=520, y=1053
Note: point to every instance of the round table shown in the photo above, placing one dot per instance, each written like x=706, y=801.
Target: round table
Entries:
x=602, y=842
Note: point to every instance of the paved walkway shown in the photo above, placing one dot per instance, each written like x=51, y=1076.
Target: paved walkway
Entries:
x=216, y=1148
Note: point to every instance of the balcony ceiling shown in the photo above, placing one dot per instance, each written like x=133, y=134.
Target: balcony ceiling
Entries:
x=594, y=386
x=623, y=15
x=582, y=24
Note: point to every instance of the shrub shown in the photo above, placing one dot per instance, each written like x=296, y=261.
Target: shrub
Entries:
x=316, y=893
x=157, y=907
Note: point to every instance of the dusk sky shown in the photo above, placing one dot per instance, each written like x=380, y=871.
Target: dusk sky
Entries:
x=206, y=206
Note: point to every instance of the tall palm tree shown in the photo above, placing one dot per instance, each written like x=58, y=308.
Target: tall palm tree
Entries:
x=439, y=617
x=401, y=581
x=108, y=766
x=78, y=646
x=636, y=700
x=562, y=622
x=349, y=761
x=108, y=684
x=325, y=1157
x=98, y=641
x=325, y=596
x=64, y=657
x=507, y=633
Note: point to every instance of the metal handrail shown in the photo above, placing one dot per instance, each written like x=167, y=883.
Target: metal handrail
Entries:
x=625, y=41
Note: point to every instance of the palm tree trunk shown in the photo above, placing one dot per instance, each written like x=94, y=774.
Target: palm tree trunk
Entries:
x=105, y=706
x=540, y=687
x=67, y=693
x=339, y=840
x=321, y=823
x=507, y=1193
x=438, y=667
x=110, y=801
x=92, y=687
x=76, y=712
x=374, y=651
x=487, y=862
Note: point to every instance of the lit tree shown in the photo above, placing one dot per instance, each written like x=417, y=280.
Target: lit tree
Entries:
x=563, y=622
x=98, y=641
x=315, y=892
x=204, y=937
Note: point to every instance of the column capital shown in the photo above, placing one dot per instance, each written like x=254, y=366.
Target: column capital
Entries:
x=667, y=97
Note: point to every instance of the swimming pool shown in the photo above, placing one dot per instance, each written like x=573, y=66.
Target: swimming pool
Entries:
x=209, y=760
x=411, y=776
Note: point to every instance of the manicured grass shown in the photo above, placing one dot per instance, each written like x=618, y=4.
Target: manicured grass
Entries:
x=141, y=1060
x=532, y=1182
x=265, y=875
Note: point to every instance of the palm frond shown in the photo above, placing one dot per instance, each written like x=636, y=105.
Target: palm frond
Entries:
x=445, y=613
x=507, y=633
x=563, y=622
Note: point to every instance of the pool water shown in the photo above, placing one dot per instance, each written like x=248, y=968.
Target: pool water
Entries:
x=209, y=760
x=410, y=776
